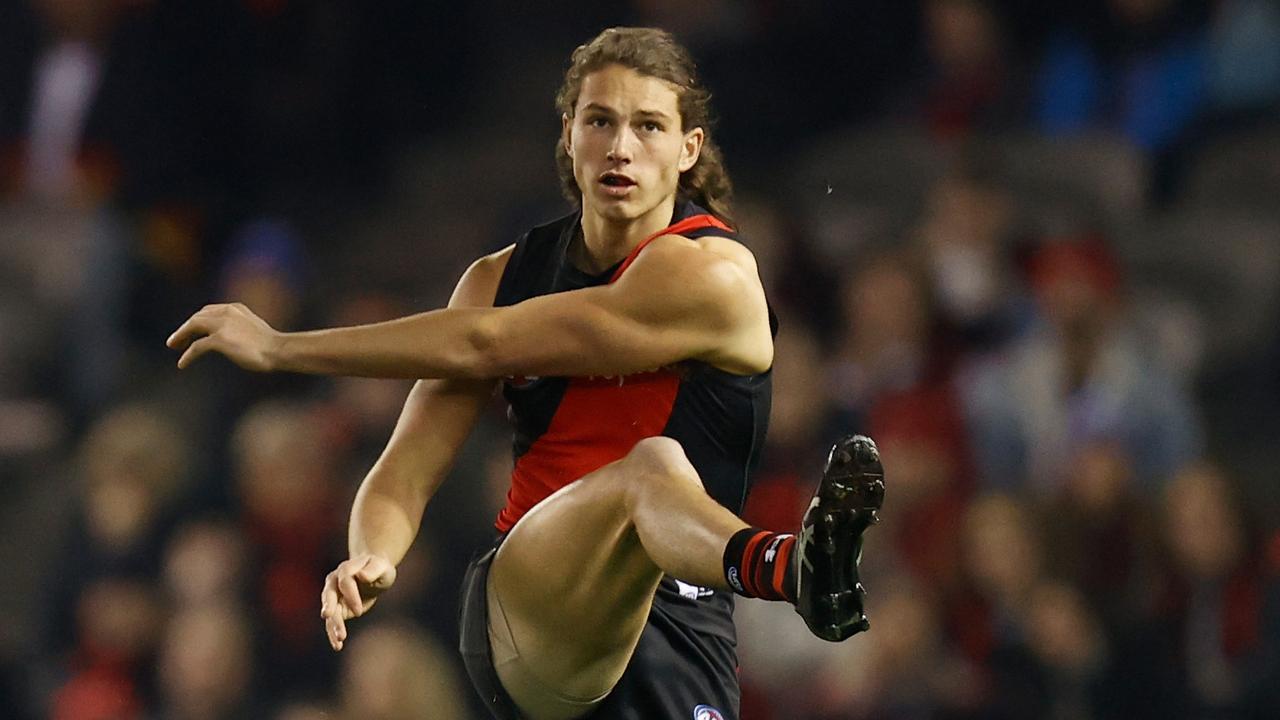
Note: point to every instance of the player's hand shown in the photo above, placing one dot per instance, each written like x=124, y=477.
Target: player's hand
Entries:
x=230, y=329
x=350, y=590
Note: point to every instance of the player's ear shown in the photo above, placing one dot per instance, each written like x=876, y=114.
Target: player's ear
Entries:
x=691, y=148
x=566, y=134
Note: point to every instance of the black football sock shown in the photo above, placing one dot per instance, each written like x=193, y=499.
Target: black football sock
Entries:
x=758, y=563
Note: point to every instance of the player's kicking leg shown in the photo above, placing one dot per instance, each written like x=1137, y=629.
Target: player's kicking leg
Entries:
x=570, y=589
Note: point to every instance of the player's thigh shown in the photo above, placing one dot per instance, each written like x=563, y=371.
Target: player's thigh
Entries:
x=575, y=556
x=572, y=577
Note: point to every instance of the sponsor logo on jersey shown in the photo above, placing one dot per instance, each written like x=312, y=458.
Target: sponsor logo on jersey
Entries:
x=734, y=581
x=706, y=712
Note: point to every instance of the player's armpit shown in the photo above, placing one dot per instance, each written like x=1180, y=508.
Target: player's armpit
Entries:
x=437, y=417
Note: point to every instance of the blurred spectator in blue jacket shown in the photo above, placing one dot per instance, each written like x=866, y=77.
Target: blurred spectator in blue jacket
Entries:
x=1139, y=69
x=1082, y=376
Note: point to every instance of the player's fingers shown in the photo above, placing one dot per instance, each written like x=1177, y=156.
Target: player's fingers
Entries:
x=348, y=588
x=331, y=610
x=192, y=353
x=329, y=595
x=335, y=628
x=196, y=325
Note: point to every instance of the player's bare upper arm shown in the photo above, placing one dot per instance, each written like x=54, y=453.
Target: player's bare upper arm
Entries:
x=726, y=302
x=681, y=299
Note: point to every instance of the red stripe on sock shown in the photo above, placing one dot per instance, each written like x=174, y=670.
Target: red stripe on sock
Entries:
x=780, y=567
x=749, y=564
x=758, y=575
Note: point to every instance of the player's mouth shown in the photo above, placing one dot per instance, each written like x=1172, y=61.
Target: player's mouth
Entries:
x=616, y=184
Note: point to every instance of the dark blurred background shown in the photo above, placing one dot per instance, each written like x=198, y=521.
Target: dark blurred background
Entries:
x=1032, y=248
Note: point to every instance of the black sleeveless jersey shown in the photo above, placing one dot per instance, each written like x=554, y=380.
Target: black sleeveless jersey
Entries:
x=568, y=427
x=565, y=428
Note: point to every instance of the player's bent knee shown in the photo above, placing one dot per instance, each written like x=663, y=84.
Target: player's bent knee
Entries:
x=659, y=460
x=661, y=454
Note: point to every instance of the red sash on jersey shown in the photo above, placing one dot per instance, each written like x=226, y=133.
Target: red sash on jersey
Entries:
x=693, y=222
x=598, y=420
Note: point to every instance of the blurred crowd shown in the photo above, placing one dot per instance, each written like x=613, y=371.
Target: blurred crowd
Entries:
x=1032, y=249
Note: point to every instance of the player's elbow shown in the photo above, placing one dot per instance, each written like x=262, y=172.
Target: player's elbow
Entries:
x=485, y=356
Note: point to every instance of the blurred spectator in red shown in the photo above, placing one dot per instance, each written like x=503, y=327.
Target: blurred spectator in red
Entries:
x=1137, y=68
x=1082, y=376
x=118, y=620
x=206, y=666
x=398, y=672
x=284, y=467
x=924, y=445
x=969, y=83
x=1220, y=606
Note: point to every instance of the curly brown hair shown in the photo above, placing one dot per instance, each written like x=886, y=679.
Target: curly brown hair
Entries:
x=655, y=53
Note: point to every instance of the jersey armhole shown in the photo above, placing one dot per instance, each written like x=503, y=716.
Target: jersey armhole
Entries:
x=506, y=290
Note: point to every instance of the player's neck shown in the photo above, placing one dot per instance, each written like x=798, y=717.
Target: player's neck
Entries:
x=606, y=241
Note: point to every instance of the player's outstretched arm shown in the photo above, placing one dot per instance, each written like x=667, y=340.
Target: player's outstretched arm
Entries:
x=436, y=420
x=680, y=300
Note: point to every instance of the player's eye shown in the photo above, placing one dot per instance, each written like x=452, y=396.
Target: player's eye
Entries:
x=598, y=121
x=651, y=126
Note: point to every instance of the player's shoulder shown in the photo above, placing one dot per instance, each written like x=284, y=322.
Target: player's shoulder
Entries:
x=717, y=270
x=494, y=262
x=711, y=254
x=479, y=284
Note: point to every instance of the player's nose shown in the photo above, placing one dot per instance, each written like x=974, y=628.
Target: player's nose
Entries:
x=620, y=149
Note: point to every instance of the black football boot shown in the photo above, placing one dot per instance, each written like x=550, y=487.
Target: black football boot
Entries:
x=829, y=594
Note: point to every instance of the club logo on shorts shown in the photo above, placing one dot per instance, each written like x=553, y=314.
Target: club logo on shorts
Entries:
x=706, y=712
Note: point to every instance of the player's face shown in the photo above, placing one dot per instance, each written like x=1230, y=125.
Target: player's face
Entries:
x=627, y=143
